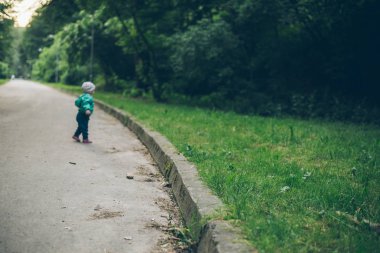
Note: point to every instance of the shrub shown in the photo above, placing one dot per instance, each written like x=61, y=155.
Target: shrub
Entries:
x=203, y=57
x=4, y=70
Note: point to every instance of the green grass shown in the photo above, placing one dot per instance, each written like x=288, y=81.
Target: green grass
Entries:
x=286, y=181
x=3, y=81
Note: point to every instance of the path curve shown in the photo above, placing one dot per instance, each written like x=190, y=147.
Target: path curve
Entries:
x=57, y=195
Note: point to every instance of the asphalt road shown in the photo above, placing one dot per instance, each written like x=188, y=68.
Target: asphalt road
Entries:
x=57, y=195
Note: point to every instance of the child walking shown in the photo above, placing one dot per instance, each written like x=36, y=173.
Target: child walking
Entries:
x=85, y=103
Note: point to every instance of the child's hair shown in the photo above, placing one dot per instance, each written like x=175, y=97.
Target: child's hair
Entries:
x=88, y=87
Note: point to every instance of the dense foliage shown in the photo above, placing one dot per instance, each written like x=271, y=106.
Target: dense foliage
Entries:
x=6, y=37
x=303, y=57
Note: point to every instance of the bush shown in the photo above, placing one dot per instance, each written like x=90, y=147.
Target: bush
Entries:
x=4, y=70
x=203, y=57
x=48, y=63
x=74, y=74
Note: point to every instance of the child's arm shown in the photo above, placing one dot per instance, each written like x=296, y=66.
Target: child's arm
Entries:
x=88, y=106
x=78, y=102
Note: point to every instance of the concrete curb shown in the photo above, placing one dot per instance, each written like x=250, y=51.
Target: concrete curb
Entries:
x=220, y=236
x=194, y=199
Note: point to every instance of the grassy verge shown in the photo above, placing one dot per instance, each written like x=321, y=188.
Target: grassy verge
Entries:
x=292, y=185
x=3, y=81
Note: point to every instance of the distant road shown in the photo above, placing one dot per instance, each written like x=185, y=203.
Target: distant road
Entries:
x=60, y=196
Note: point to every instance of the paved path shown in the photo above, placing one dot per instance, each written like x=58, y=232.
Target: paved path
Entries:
x=60, y=196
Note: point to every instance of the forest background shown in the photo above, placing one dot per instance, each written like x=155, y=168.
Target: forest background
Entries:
x=307, y=58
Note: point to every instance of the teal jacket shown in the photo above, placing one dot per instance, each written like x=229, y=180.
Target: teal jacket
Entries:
x=85, y=102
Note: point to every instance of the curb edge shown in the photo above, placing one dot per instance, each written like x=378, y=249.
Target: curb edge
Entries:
x=194, y=199
x=213, y=236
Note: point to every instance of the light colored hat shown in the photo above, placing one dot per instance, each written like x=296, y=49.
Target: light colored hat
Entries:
x=88, y=87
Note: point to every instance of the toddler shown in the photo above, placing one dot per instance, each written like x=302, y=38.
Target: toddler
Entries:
x=85, y=103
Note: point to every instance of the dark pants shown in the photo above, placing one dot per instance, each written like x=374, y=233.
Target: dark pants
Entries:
x=82, y=120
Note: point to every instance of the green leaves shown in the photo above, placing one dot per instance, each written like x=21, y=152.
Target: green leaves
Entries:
x=6, y=37
x=301, y=57
x=201, y=57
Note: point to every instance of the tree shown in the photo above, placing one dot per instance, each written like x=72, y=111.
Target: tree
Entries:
x=47, y=21
x=264, y=56
x=204, y=58
x=6, y=29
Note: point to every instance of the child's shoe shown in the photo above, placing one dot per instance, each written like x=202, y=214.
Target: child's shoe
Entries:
x=76, y=138
x=87, y=141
